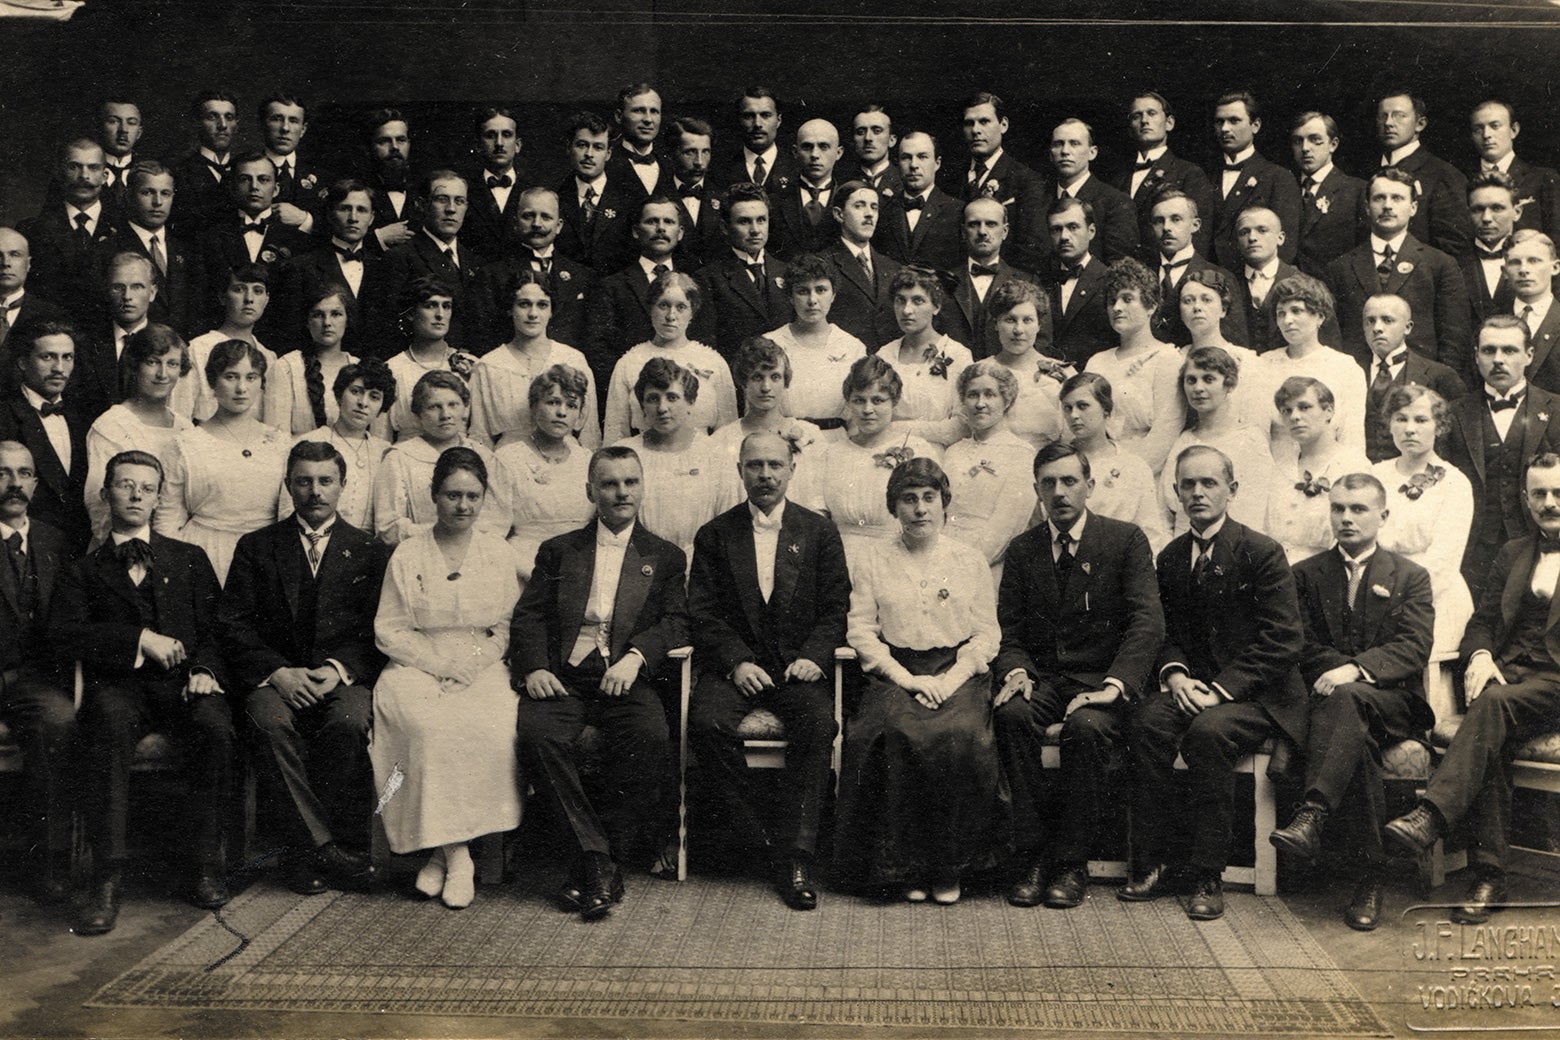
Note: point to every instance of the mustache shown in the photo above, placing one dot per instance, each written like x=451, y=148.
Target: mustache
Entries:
x=15, y=494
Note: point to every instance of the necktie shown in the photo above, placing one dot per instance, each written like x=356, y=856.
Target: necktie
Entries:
x=1064, y=556
x=640, y=160
x=658, y=270
x=1527, y=318
x=49, y=408
x=1257, y=281
x=256, y=226
x=349, y=254
x=1384, y=269
x=588, y=207
x=501, y=181
x=914, y=202
x=284, y=181
x=1496, y=252
x=542, y=264
x=1498, y=405
x=217, y=168
x=13, y=544
x=26, y=579
x=756, y=272
x=1308, y=192
x=314, y=539
x=1141, y=165
x=814, y=206
x=159, y=255
x=865, y=259
x=1234, y=167
x=1204, y=550
x=1068, y=272
x=448, y=253
x=982, y=270
x=5, y=320
x=1383, y=379
x=134, y=552
x=1356, y=569
x=82, y=220
x=1167, y=279
x=760, y=174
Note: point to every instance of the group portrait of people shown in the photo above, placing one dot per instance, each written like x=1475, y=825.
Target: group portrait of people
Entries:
x=390, y=483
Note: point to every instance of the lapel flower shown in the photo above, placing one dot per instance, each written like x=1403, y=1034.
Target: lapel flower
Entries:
x=991, y=188
x=1420, y=481
x=1313, y=486
x=1087, y=566
x=704, y=374
x=610, y=214
x=268, y=256
x=887, y=193
x=714, y=204
x=647, y=570
x=1543, y=416
x=794, y=549
x=564, y=276
x=346, y=554
x=780, y=283
x=462, y=363
x=1404, y=267
x=796, y=437
x=982, y=465
x=1218, y=570
x=308, y=183
x=941, y=593
x=1157, y=173
x=894, y=456
x=1527, y=201
x=940, y=362
x=1382, y=591
x=1323, y=203
x=1251, y=182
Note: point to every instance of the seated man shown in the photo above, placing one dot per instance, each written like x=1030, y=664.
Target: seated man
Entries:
x=141, y=614
x=604, y=605
x=1369, y=618
x=1081, y=624
x=1512, y=684
x=1232, y=640
x=297, y=624
x=767, y=599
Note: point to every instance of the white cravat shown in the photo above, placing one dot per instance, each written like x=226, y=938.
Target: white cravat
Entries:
x=596, y=629
x=54, y=427
x=766, y=542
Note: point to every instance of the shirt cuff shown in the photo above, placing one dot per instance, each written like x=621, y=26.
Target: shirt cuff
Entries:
x=308, y=224
x=1365, y=675
x=637, y=653
x=1012, y=672
x=1170, y=669
x=1221, y=691
x=1121, y=687
x=140, y=655
x=341, y=670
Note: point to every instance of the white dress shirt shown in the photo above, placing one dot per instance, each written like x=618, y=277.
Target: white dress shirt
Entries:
x=54, y=427
x=596, y=628
x=121, y=335
x=1149, y=157
x=148, y=236
x=137, y=571
x=1503, y=164
x=1071, y=190
x=990, y=162
x=1378, y=247
x=254, y=240
x=21, y=528
x=351, y=270
x=770, y=154
x=1393, y=158
x=766, y=541
x=216, y=161
x=1540, y=311
x=1394, y=363
x=649, y=174
x=1070, y=285
x=1229, y=178
x=1546, y=572
x=1503, y=417
x=1260, y=280
x=648, y=266
x=597, y=185
x=500, y=194
x=981, y=282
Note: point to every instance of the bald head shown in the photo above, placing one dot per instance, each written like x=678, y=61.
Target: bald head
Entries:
x=818, y=149
x=766, y=467
x=1388, y=320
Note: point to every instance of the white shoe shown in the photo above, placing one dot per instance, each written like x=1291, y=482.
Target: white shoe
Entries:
x=915, y=894
x=460, y=878
x=430, y=879
x=946, y=895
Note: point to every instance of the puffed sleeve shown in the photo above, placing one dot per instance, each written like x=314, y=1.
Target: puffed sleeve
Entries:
x=173, y=504
x=1169, y=413
x=725, y=394
x=278, y=396
x=590, y=413
x=100, y=448
x=618, y=420
x=392, y=502
x=485, y=407
x=863, y=626
x=395, y=625
x=985, y=636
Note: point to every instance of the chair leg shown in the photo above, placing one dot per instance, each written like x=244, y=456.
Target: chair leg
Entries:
x=682, y=770
x=1266, y=813
x=490, y=859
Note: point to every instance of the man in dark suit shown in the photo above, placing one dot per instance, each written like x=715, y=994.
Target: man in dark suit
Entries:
x=300, y=184
x=597, y=211
x=862, y=306
x=1246, y=178
x=1494, y=128
x=922, y=224
x=1531, y=268
x=1333, y=217
x=1394, y=261
x=396, y=203
x=439, y=252
x=36, y=414
x=635, y=162
x=1080, y=328
x=247, y=232
x=68, y=235
x=1149, y=121
x=493, y=184
x=149, y=200
x=34, y=697
x=199, y=175
x=297, y=625
x=760, y=161
x=569, y=283
x=1512, y=683
x=1368, y=617
x=119, y=130
x=871, y=156
x=983, y=273
x=18, y=305
x=343, y=259
x=1072, y=151
x=803, y=214
x=1258, y=235
x=1388, y=321
x=130, y=281
x=1494, y=207
x=593, y=627
x=744, y=286
x=1494, y=432
x=1441, y=190
x=994, y=174
x=1176, y=224
x=702, y=234
x=140, y=614
x=1232, y=640
x=1081, y=626
x=767, y=600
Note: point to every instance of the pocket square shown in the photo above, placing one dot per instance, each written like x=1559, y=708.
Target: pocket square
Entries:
x=1382, y=591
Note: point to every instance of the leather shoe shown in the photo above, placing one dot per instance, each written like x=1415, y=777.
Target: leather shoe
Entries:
x=1303, y=836
x=1364, y=910
x=1067, y=887
x=303, y=876
x=1415, y=833
x=343, y=867
x=570, y=896
x=1485, y=896
x=1207, y=902
x=1028, y=889
x=210, y=891
x=797, y=890
x=102, y=910
x=603, y=887
x=1151, y=884
x=51, y=880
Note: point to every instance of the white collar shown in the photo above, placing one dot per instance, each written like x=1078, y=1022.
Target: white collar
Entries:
x=339, y=244
x=1154, y=154
x=1267, y=270
x=34, y=398
x=290, y=160
x=880, y=168
x=1377, y=242
x=769, y=155
x=1540, y=306
x=1319, y=176
x=1212, y=531
x=648, y=266
x=1242, y=155
x=605, y=539
x=323, y=531
x=1184, y=256
x=1393, y=158
x=449, y=246
x=1071, y=190
x=747, y=259
x=1503, y=164
x=971, y=262
x=146, y=235
x=854, y=250
x=220, y=160
x=127, y=333
x=13, y=300
x=94, y=211
x=117, y=162
x=264, y=214
x=990, y=161
x=1075, y=531
x=144, y=533
x=6, y=530
x=1399, y=356
x=1491, y=393
x=598, y=182
x=770, y=522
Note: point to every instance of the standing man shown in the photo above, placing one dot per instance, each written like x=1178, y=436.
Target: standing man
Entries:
x=1072, y=151
x=803, y=214
x=149, y=197
x=493, y=184
x=922, y=224
x=745, y=287
x=67, y=236
x=1368, y=617
x=344, y=259
x=1493, y=207
x=1176, y=224
x=1081, y=626
x=18, y=306
x=389, y=140
x=1388, y=321
x=569, y=283
x=1245, y=178
x=199, y=176
x=248, y=232
x=297, y=626
x=597, y=211
x=1531, y=268
x=131, y=284
x=619, y=315
x=300, y=185
x=767, y=599
x=871, y=157
x=1442, y=216
x=760, y=161
x=993, y=174
x=119, y=131
x=1333, y=217
x=593, y=627
x=1149, y=122
x=439, y=251
x=1494, y=129
x=862, y=305
x=692, y=143
x=1258, y=236
x=36, y=415
x=1080, y=326
x=983, y=273
x=634, y=159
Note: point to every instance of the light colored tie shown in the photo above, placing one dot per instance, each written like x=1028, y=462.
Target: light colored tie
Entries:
x=314, y=549
x=1527, y=318
x=159, y=256
x=1356, y=569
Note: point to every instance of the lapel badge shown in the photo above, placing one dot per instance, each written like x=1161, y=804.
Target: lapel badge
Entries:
x=1404, y=267
x=647, y=570
x=943, y=593
x=346, y=554
x=1382, y=591
x=1086, y=565
x=1543, y=416
x=1323, y=203
x=793, y=549
x=1251, y=182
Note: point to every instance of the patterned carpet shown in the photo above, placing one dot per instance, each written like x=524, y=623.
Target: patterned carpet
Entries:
x=720, y=950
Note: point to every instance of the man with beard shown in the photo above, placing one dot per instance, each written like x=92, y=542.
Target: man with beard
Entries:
x=395, y=204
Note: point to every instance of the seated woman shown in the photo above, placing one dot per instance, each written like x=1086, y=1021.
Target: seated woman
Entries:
x=543, y=472
x=1144, y=373
x=363, y=391
x=821, y=352
x=928, y=362
x=402, y=506
x=502, y=380
x=1302, y=306
x=853, y=471
x=154, y=360
x=763, y=371
x=1206, y=296
x=1431, y=504
x=1298, y=507
x=683, y=487
x=990, y=472
x=444, y=712
x=426, y=314
x=1208, y=378
x=224, y=477
x=1123, y=486
x=919, y=800
x=674, y=300
x=245, y=296
x=295, y=394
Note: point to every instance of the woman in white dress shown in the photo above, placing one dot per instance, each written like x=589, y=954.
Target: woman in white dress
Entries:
x=502, y=380
x=1298, y=508
x=426, y=314
x=763, y=371
x=1302, y=305
x=683, y=486
x=853, y=472
x=1123, y=487
x=674, y=300
x=990, y=472
x=150, y=368
x=224, y=478
x=402, y=504
x=296, y=398
x=1022, y=317
x=821, y=353
x=444, y=714
x=543, y=472
x=244, y=300
x=1206, y=296
x=1144, y=373
x=1209, y=377
x=927, y=361
x=1431, y=507
x=362, y=391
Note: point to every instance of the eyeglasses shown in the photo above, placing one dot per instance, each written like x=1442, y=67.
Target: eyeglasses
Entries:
x=130, y=487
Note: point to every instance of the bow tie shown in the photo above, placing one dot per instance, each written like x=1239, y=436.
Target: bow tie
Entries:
x=1067, y=272
x=257, y=225
x=1235, y=167
x=914, y=202
x=983, y=270
x=501, y=181
x=690, y=191
x=49, y=408
x=1497, y=405
x=1395, y=360
x=1549, y=545
x=1173, y=264
x=640, y=160
x=1498, y=253
x=133, y=552
x=1142, y=166
x=215, y=165
x=349, y=254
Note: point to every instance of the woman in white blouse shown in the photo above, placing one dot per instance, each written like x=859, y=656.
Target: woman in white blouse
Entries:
x=362, y=391
x=920, y=801
x=544, y=472
x=426, y=315
x=1298, y=508
x=1302, y=305
x=245, y=297
x=1022, y=317
x=296, y=393
x=764, y=372
x=1123, y=486
x=821, y=352
x=990, y=472
x=1143, y=372
x=1208, y=379
x=927, y=361
x=1206, y=296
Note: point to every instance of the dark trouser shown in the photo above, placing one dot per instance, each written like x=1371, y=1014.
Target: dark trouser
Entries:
x=1479, y=558
x=44, y=719
x=807, y=712
x=1343, y=760
x=114, y=719
x=634, y=752
x=316, y=760
x=1090, y=739
x=1211, y=742
x=1473, y=781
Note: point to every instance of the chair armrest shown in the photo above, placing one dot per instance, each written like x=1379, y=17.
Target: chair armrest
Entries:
x=680, y=653
x=844, y=653
x=78, y=686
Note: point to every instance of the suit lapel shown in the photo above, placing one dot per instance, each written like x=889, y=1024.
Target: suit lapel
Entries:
x=742, y=283
x=9, y=586
x=787, y=563
x=964, y=296
x=1332, y=605
x=1411, y=255
x=113, y=575
x=928, y=214
x=632, y=591
x=744, y=570
x=290, y=562
x=575, y=573
x=852, y=269
x=1365, y=269
x=1516, y=587
x=50, y=469
x=639, y=285
x=1544, y=339
x=1528, y=423
x=1381, y=573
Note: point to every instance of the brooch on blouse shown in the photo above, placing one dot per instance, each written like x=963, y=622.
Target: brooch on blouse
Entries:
x=1050, y=368
x=462, y=363
x=943, y=593
x=1313, y=486
x=894, y=456
x=1419, y=482
x=982, y=465
x=940, y=362
x=796, y=438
